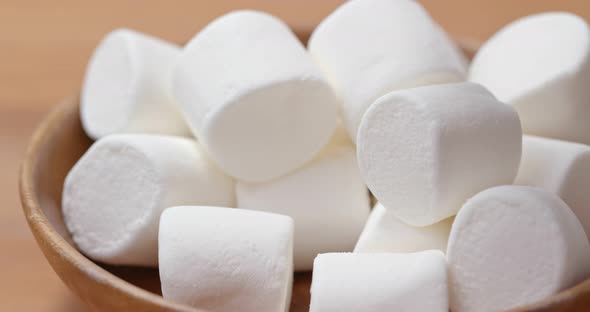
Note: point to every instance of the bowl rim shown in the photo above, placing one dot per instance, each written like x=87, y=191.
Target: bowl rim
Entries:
x=45, y=233
x=47, y=237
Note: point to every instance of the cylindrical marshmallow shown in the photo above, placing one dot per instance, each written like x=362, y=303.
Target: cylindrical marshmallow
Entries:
x=540, y=64
x=371, y=47
x=384, y=232
x=560, y=167
x=127, y=87
x=424, y=151
x=114, y=195
x=327, y=199
x=226, y=260
x=253, y=96
x=380, y=282
x=511, y=246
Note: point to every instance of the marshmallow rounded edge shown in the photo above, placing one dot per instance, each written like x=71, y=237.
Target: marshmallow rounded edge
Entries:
x=384, y=232
x=560, y=167
x=540, y=64
x=126, y=87
x=511, y=246
x=114, y=195
x=326, y=198
x=262, y=110
x=375, y=282
x=226, y=259
x=371, y=47
x=424, y=151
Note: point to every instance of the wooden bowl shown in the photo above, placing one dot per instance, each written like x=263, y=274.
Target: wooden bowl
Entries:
x=56, y=145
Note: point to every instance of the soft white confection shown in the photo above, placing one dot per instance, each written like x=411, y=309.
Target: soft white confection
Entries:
x=127, y=87
x=226, y=260
x=424, y=151
x=371, y=47
x=253, y=96
x=327, y=198
x=540, y=64
x=384, y=232
x=380, y=282
x=114, y=195
x=560, y=167
x=512, y=246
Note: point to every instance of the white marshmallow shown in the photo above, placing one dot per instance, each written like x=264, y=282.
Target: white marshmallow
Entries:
x=253, y=96
x=511, y=246
x=380, y=282
x=424, y=151
x=226, y=259
x=127, y=87
x=560, y=167
x=540, y=64
x=114, y=195
x=371, y=47
x=384, y=232
x=327, y=198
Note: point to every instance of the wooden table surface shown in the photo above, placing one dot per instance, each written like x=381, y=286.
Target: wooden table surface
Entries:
x=44, y=46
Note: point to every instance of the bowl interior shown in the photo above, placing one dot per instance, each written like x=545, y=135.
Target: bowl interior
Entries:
x=57, y=145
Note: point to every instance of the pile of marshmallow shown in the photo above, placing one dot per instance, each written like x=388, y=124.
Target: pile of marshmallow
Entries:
x=471, y=214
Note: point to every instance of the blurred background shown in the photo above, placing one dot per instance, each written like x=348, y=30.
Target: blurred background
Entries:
x=44, y=47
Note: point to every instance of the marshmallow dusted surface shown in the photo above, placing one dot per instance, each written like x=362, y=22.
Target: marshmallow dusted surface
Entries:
x=114, y=195
x=127, y=87
x=371, y=47
x=540, y=64
x=380, y=282
x=288, y=141
x=384, y=232
x=560, y=167
x=226, y=259
x=327, y=199
x=253, y=96
x=424, y=151
x=511, y=246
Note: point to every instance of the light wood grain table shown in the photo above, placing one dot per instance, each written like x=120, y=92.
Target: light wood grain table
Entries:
x=44, y=46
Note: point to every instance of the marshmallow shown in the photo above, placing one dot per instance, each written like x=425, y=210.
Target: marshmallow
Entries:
x=327, y=198
x=560, y=167
x=253, y=96
x=379, y=282
x=127, y=87
x=115, y=193
x=424, y=151
x=383, y=232
x=511, y=246
x=221, y=260
x=371, y=47
x=540, y=64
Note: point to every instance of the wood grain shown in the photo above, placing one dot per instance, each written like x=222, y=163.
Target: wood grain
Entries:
x=44, y=46
x=28, y=282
